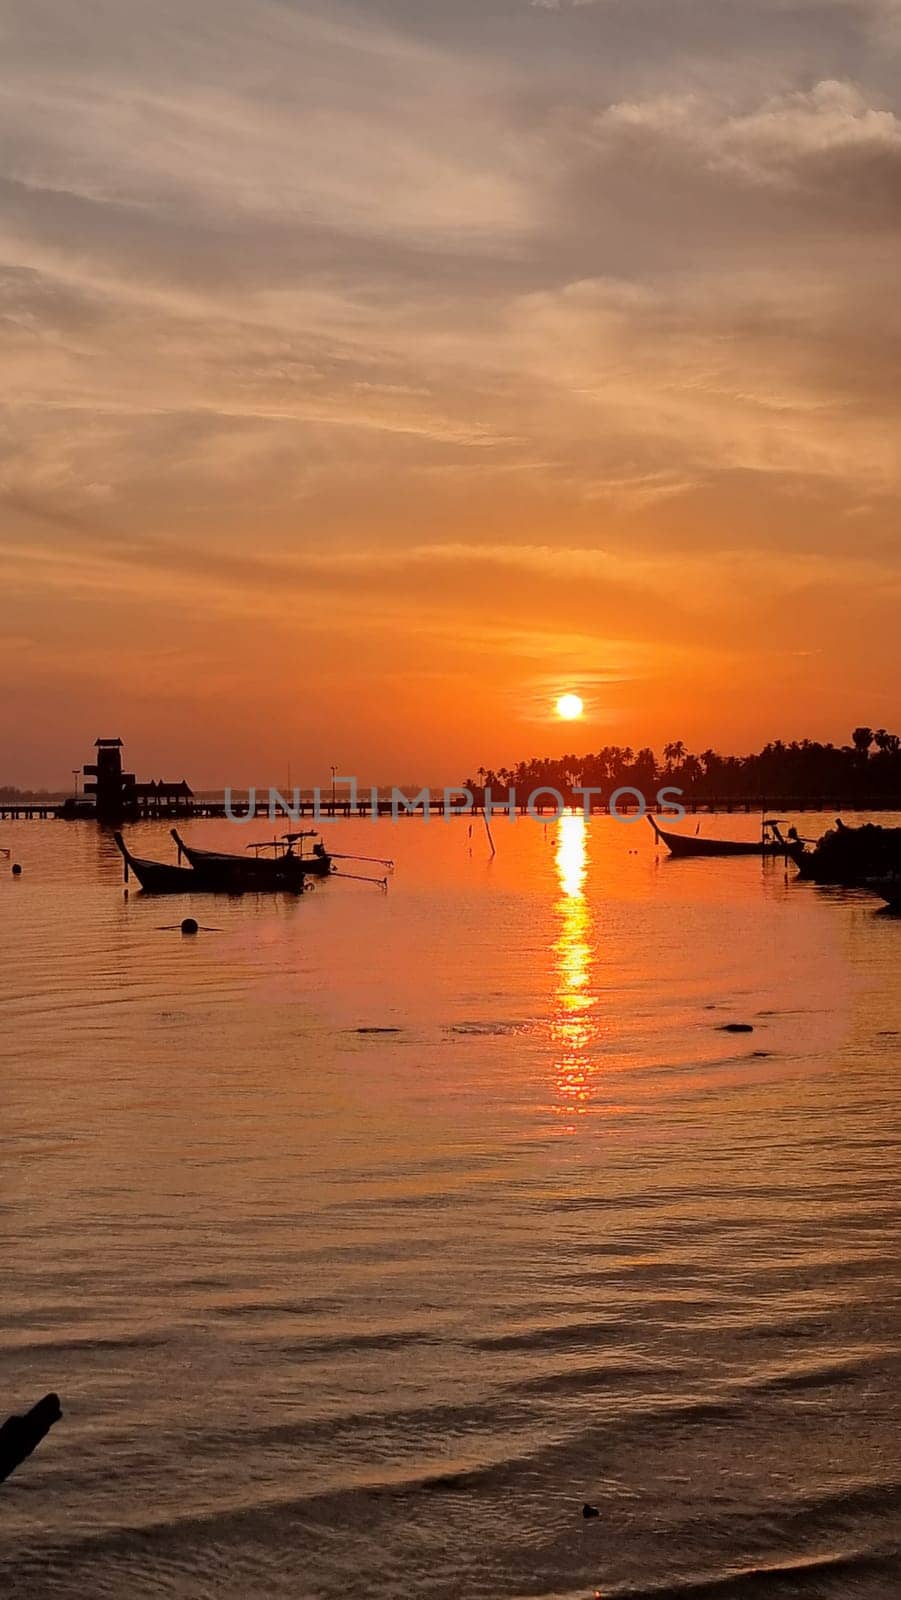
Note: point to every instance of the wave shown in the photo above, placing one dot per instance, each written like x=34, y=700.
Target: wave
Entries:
x=794, y=1578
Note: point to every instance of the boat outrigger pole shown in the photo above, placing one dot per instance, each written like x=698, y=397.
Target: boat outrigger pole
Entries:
x=376, y=861
x=357, y=877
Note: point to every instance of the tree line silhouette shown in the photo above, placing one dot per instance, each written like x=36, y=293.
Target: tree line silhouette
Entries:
x=866, y=771
x=8, y=791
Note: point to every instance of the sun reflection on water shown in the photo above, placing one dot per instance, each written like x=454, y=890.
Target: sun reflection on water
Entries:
x=572, y=1027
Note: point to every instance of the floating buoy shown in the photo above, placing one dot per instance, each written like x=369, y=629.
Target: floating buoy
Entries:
x=589, y=1511
x=190, y=926
x=737, y=1027
x=17, y=870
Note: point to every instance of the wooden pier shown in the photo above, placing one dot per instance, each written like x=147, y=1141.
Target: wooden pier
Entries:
x=19, y=810
x=545, y=806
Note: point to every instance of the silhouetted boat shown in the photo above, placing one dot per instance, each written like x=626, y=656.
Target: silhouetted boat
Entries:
x=289, y=869
x=845, y=855
x=800, y=851
x=694, y=844
x=157, y=877
x=213, y=876
x=889, y=890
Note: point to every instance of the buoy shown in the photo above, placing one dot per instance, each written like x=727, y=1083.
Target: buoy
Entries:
x=189, y=926
x=589, y=1511
x=17, y=870
x=737, y=1027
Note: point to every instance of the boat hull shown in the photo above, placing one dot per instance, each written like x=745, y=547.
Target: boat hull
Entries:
x=158, y=877
x=795, y=852
x=888, y=889
x=849, y=856
x=287, y=871
x=686, y=844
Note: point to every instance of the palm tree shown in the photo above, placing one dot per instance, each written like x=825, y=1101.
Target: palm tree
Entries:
x=862, y=738
x=673, y=754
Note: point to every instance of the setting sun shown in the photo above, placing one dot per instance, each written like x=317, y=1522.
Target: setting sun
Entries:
x=569, y=707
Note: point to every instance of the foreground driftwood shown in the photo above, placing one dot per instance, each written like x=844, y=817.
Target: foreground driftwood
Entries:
x=20, y=1435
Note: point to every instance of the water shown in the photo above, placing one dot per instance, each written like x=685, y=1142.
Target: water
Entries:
x=358, y=1313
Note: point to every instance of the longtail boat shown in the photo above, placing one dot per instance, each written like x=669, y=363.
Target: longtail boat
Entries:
x=845, y=855
x=223, y=876
x=157, y=877
x=288, y=869
x=889, y=890
x=798, y=850
x=694, y=844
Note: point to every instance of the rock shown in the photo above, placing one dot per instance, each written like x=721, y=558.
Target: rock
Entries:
x=590, y=1511
x=20, y=1435
x=736, y=1027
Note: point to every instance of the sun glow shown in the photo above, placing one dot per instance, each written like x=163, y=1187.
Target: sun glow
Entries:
x=569, y=707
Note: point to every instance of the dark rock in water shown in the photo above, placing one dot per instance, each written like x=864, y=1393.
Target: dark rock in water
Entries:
x=590, y=1511
x=378, y=1030
x=736, y=1027
x=17, y=870
x=20, y=1435
x=189, y=926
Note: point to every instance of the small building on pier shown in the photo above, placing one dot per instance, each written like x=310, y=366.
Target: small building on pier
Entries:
x=118, y=797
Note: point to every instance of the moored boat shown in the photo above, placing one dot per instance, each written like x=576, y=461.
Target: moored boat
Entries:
x=318, y=862
x=688, y=844
x=889, y=890
x=157, y=877
x=288, y=869
x=222, y=876
x=846, y=855
x=796, y=849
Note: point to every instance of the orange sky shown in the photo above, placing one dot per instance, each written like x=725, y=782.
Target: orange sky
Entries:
x=372, y=375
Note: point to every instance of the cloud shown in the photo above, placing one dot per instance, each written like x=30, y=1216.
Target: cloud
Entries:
x=761, y=373
x=814, y=138
x=858, y=10
x=259, y=112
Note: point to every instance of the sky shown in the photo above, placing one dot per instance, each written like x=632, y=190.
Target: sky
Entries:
x=373, y=374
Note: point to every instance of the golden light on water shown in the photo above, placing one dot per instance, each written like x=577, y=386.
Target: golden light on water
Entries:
x=570, y=707
x=572, y=1028
x=572, y=856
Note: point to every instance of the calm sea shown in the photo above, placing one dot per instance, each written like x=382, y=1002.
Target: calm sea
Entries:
x=365, y=1236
